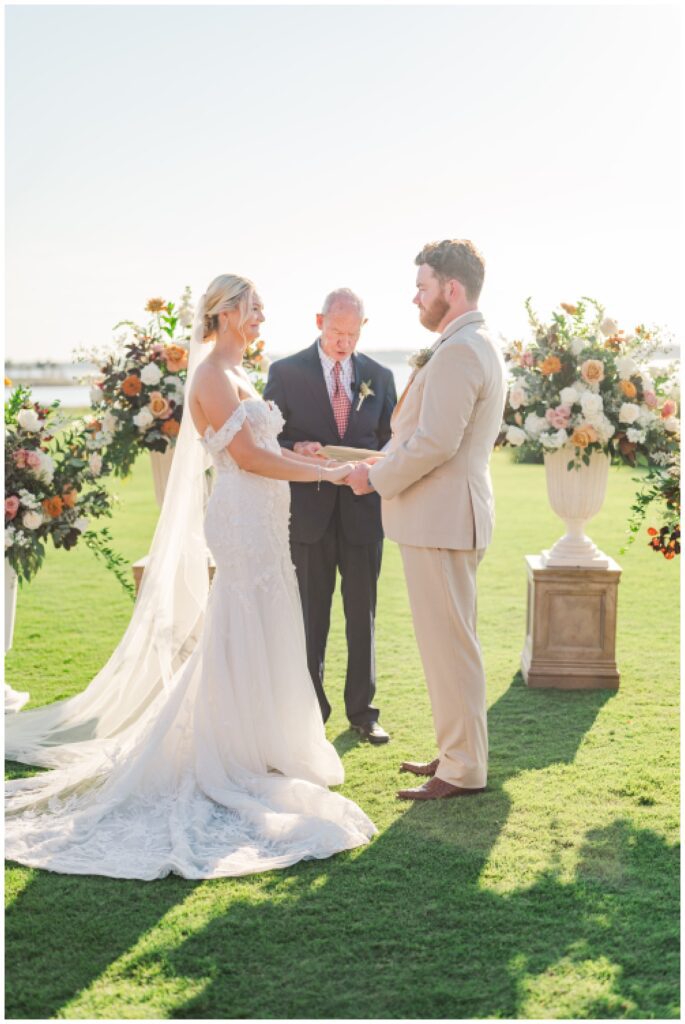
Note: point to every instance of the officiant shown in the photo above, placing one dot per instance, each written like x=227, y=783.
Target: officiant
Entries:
x=330, y=394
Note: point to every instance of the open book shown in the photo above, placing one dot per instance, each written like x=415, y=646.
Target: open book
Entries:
x=341, y=454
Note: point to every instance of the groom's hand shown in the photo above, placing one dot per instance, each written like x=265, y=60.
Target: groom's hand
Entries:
x=358, y=479
x=307, y=448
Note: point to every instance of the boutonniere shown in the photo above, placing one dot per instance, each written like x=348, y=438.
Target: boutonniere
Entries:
x=365, y=391
x=420, y=358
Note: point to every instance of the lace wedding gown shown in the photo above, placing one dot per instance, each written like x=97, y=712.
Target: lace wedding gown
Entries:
x=226, y=771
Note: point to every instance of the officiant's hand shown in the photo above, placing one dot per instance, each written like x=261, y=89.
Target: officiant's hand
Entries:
x=307, y=448
x=358, y=479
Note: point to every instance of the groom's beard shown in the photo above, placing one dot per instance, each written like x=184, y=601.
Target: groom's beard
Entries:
x=432, y=316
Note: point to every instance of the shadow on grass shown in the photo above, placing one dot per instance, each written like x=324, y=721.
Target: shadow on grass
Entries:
x=401, y=928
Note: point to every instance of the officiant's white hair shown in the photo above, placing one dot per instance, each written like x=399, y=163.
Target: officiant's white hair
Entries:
x=344, y=296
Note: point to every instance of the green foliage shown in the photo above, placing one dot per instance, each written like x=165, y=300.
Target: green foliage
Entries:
x=553, y=895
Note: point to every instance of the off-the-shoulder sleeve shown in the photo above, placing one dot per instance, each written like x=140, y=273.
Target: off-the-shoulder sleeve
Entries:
x=215, y=442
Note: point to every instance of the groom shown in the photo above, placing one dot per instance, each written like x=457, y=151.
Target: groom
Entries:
x=331, y=395
x=438, y=505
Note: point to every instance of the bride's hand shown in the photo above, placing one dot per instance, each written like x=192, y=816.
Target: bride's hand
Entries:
x=337, y=474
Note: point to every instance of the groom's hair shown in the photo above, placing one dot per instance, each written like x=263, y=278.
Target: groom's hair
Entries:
x=455, y=258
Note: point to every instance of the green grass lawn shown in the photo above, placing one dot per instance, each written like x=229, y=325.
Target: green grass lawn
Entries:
x=554, y=894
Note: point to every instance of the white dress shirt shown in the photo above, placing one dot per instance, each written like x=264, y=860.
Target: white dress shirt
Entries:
x=346, y=375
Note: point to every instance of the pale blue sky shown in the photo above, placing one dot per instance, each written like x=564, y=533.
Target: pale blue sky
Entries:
x=313, y=147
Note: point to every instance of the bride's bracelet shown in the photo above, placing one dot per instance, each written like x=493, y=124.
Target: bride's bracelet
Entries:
x=318, y=484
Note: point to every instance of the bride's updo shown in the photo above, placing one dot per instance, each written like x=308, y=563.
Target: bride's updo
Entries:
x=228, y=291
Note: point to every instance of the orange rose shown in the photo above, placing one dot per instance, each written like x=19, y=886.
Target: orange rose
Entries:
x=171, y=428
x=53, y=506
x=592, y=371
x=159, y=406
x=132, y=386
x=69, y=495
x=628, y=388
x=175, y=357
x=583, y=436
x=550, y=365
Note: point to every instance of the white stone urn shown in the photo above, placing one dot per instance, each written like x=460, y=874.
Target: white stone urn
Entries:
x=14, y=700
x=161, y=467
x=576, y=495
x=11, y=585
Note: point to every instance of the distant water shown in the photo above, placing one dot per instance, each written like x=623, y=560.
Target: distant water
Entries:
x=77, y=396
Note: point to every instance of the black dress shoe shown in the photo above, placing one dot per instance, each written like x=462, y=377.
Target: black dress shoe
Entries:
x=372, y=732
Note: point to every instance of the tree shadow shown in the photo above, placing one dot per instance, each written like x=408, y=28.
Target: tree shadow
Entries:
x=401, y=928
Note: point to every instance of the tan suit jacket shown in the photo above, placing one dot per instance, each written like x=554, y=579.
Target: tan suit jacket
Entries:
x=435, y=479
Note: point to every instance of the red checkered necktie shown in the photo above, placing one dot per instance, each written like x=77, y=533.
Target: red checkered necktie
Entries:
x=340, y=401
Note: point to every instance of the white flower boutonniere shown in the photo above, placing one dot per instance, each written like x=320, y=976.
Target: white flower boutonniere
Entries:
x=365, y=391
x=420, y=358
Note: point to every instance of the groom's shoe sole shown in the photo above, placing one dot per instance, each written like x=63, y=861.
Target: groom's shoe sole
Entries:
x=420, y=769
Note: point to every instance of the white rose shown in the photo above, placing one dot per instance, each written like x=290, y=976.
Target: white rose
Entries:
x=647, y=381
x=672, y=425
x=626, y=367
x=569, y=396
x=516, y=436
x=46, y=470
x=534, y=424
x=32, y=520
x=608, y=327
x=28, y=420
x=605, y=429
x=82, y=523
x=556, y=440
x=628, y=412
x=151, y=374
x=592, y=404
x=109, y=423
x=144, y=418
x=9, y=537
x=636, y=436
x=646, y=417
x=518, y=396
x=577, y=345
x=95, y=463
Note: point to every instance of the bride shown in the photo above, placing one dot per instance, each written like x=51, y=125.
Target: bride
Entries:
x=199, y=748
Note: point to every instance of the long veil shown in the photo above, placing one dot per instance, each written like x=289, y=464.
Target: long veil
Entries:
x=165, y=625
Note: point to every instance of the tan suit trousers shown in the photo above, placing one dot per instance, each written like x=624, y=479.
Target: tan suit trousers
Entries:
x=442, y=594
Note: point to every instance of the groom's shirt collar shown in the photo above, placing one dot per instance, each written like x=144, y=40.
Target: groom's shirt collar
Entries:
x=347, y=374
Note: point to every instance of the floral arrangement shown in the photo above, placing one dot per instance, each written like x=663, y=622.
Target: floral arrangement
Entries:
x=583, y=385
x=52, y=487
x=137, y=398
x=256, y=364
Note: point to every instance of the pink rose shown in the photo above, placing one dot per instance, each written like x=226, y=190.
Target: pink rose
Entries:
x=651, y=400
x=157, y=348
x=527, y=359
x=33, y=460
x=11, y=506
x=668, y=409
x=20, y=458
x=559, y=417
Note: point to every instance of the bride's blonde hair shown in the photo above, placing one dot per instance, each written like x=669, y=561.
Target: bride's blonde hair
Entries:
x=227, y=291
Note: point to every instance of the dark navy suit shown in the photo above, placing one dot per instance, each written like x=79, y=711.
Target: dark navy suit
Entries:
x=331, y=528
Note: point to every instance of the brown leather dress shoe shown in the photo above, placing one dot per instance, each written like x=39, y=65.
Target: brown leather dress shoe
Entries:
x=436, y=789
x=420, y=769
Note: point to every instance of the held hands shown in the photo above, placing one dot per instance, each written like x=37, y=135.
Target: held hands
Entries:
x=358, y=479
x=338, y=473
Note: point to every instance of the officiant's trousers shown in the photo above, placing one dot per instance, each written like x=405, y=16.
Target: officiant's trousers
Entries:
x=442, y=594
x=359, y=565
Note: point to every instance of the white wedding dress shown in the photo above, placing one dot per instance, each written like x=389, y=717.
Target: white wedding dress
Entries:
x=223, y=769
